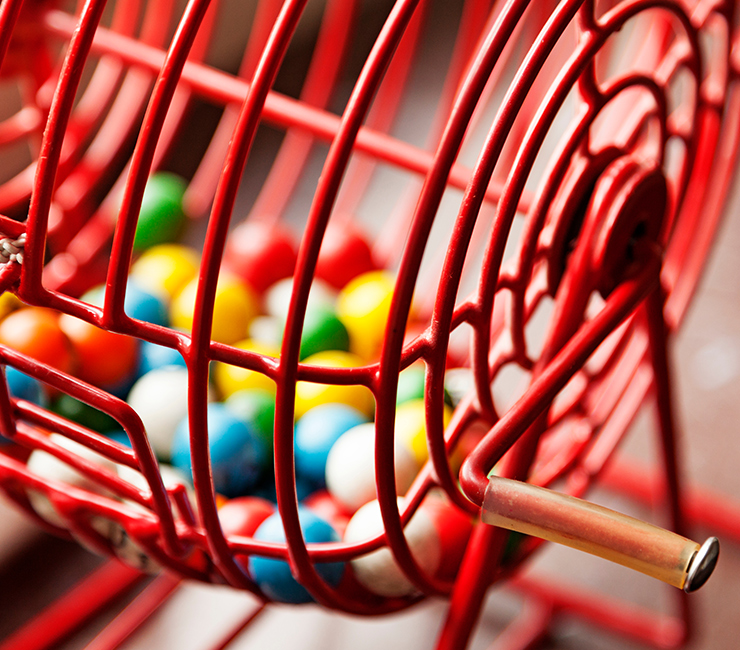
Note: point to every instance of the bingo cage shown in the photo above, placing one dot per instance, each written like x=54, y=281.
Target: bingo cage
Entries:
x=364, y=407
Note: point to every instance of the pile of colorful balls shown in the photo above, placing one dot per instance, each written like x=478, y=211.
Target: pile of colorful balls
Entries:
x=334, y=431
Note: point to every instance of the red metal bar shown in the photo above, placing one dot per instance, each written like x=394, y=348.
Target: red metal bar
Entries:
x=70, y=612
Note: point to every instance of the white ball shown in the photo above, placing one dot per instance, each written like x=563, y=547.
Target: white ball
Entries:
x=51, y=468
x=277, y=297
x=350, y=467
x=378, y=571
x=124, y=547
x=160, y=397
x=171, y=477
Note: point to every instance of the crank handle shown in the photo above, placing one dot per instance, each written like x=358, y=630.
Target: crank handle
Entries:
x=564, y=519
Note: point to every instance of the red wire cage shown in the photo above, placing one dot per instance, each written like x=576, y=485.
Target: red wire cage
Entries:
x=552, y=221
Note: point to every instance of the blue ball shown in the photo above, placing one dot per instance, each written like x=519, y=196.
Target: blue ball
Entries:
x=238, y=456
x=138, y=303
x=153, y=356
x=267, y=490
x=23, y=386
x=274, y=576
x=316, y=432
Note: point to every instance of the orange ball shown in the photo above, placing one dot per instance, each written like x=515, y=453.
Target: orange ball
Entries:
x=35, y=332
x=105, y=359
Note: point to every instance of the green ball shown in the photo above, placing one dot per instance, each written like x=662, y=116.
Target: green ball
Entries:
x=411, y=386
x=161, y=217
x=322, y=331
x=256, y=408
x=84, y=414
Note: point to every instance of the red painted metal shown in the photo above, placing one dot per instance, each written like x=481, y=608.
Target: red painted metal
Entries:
x=607, y=220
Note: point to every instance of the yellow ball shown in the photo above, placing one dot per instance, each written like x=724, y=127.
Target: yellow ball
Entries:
x=229, y=379
x=411, y=427
x=309, y=395
x=235, y=306
x=363, y=306
x=9, y=302
x=165, y=269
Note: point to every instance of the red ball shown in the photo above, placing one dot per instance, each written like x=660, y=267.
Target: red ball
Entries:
x=345, y=254
x=243, y=515
x=454, y=528
x=35, y=332
x=260, y=253
x=322, y=503
x=105, y=359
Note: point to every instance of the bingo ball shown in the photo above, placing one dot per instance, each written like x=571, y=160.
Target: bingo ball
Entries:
x=322, y=331
x=453, y=527
x=104, y=358
x=238, y=456
x=350, y=467
x=244, y=515
x=234, y=307
x=363, y=306
x=257, y=408
x=73, y=409
x=274, y=577
x=23, y=386
x=315, y=434
x=410, y=427
x=229, y=378
x=160, y=397
x=411, y=386
x=161, y=217
x=139, y=303
x=123, y=546
x=277, y=297
x=35, y=332
x=165, y=269
x=310, y=395
x=58, y=473
x=378, y=571
x=345, y=253
x=153, y=356
x=326, y=507
x=260, y=253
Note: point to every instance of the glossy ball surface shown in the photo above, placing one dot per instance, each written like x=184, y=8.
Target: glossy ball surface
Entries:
x=153, y=356
x=315, y=434
x=56, y=471
x=243, y=515
x=378, y=571
x=350, y=467
x=161, y=217
x=274, y=576
x=322, y=331
x=160, y=398
x=261, y=253
x=35, y=332
x=257, y=408
x=238, y=456
x=363, y=306
x=84, y=414
x=235, y=306
x=229, y=379
x=309, y=394
x=166, y=269
x=139, y=303
x=277, y=297
x=411, y=428
x=23, y=386
x=345, y=253
x=104, y=358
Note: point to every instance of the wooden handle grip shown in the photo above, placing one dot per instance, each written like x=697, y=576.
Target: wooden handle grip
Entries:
x=599, y=531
